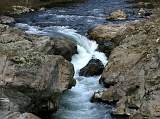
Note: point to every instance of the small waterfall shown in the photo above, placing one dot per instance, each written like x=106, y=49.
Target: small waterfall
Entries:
x=75, y=103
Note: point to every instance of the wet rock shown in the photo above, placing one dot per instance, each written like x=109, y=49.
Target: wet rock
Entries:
x=117, y=15
x=97, y=96
x=93, y=68
x=31, y=80
x=6, y=20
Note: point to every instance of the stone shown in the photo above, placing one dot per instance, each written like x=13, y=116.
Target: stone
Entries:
x=93, y=68
x=117, y=15
x=6, y=20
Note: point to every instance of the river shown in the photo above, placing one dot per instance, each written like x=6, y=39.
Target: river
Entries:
x=74, y=20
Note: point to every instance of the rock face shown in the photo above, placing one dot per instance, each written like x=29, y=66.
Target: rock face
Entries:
x=32, y=77
x=93, y=68
x=133, y=72
x=117, y=15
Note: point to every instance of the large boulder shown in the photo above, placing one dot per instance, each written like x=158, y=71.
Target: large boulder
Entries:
x=132, y=73
x=31, y=80
x=93, y=68
x=109, y=36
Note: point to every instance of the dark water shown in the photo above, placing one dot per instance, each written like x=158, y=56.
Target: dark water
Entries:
x=75, y=20
x=81, y=16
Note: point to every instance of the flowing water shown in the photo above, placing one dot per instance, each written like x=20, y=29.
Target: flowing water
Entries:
x=74, y=20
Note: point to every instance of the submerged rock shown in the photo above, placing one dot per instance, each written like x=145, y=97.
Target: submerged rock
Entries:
x=117, y=15
x=93, y=68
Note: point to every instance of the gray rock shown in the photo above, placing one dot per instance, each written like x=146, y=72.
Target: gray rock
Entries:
x=32, y=80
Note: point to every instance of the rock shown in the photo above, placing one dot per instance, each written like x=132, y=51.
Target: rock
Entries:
x=42, y=9
x=109, y=36
x=17, y=115
x=97, y=96
x=16, y=7
x=132, y=74
x=6, y=20
x=144, y=13
x=93, y=68
x=107, y=96
x=117, y=15
x=61, y=46
x=31, y=80
x=21, y=9
x=106, y=32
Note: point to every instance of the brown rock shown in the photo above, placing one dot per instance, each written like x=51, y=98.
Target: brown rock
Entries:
x=133, y=73
x=117, y=15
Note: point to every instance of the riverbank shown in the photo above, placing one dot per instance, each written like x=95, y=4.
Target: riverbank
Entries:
x=132, y=73
x=17, y=7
